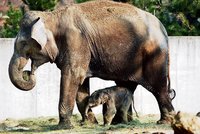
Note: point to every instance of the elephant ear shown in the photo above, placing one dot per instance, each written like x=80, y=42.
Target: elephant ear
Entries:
x=38, y=33
x=105, y=97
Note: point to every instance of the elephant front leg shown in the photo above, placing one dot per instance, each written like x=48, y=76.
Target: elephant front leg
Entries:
x=109, y=112
x=68, y=91
x=82, y=101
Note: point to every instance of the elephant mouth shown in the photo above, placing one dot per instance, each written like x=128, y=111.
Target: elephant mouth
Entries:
x=92, y=105
x=27, y=75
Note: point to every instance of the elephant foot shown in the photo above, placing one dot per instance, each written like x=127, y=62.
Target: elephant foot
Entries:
x=167, y=119
x=64, y=125
x=164, y=121
x=90, y=119
x=130, y=118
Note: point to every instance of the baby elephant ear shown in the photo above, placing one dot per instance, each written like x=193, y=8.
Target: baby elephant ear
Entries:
x=106, y=97
x=38, y=33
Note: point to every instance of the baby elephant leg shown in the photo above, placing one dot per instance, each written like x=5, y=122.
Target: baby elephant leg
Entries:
x=108, y=114
x=124, y=117
x=125, y=109
x=107, y=118
x=130, y=114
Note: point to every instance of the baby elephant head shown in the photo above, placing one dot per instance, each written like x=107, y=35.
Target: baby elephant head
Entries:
x=97, y=98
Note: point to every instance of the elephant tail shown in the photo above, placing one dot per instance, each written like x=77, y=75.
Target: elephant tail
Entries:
x=168, y=83
x=172, y=92
x=136, y=113
x=168, y=67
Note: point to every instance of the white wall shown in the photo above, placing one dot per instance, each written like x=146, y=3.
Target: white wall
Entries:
x=43, y=99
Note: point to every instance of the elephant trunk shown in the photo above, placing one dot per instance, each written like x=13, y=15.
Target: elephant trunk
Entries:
x=86, y=111
x=24, y=80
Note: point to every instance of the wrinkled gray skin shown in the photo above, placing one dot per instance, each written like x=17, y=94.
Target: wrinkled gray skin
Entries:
x=116, y=102
x=104, y=39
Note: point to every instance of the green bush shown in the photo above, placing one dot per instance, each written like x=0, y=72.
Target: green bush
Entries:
x=80, y=1
x=180, y=17
x=41, y=5
x=11, y=27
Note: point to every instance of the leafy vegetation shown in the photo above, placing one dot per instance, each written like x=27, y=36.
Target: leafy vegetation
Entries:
x=41, y=5
x=180, y=17
x=80, y=1
x=11, y=27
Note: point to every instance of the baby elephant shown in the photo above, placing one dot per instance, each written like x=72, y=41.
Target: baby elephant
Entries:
x=116, y=103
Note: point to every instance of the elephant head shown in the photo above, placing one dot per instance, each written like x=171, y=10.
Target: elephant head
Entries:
x=35, y=42
x=97, y=98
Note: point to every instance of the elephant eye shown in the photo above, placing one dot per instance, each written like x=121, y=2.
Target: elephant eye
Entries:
x=20, y=45
x=28, y=55
x=25, y=48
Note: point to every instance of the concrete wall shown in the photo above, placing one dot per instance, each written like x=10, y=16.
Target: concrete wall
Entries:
x=43, y=99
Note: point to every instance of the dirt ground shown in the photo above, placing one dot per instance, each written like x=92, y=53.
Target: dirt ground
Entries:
x=46, y=125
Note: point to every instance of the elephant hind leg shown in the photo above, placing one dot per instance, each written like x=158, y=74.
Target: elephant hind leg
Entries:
x=159, y=89
x=165, y=106
x=124, y=117
x=156, y=80
x=130, y=113
x=161, y=93
x=116, y=119
x=120, y=117
x=131, y=87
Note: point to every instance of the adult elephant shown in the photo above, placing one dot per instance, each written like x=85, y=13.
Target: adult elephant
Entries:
x=104, y=39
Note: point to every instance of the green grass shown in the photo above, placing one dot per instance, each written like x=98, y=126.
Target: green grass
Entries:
x=44, y=125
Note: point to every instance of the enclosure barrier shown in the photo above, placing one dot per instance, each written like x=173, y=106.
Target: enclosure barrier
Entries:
x=43, y=99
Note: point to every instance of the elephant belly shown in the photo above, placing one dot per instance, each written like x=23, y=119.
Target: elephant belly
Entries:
x=117, y=70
